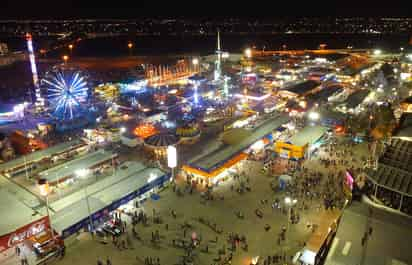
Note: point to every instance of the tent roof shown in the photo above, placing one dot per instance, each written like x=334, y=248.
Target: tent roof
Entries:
x=235, y=135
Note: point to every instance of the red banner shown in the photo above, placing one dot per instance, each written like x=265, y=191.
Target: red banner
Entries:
x=12, y=239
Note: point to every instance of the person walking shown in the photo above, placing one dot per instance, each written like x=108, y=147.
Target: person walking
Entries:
x=17, y=251
x=108, y=262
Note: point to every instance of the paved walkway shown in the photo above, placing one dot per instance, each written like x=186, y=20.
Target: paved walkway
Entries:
x=189, y=208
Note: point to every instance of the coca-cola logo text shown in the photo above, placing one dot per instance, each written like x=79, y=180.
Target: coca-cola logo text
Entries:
x=26, y=233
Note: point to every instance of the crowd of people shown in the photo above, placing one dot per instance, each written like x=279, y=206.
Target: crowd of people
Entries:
x=316, y=184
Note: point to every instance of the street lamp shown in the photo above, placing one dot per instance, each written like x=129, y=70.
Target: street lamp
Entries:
x=314, y=116
x=65, y=58
x=290, y=203
x=195, y=62
x=130, y=46
x=377, y=52
x=44, y=191
x=71, y=48
x=248, y=53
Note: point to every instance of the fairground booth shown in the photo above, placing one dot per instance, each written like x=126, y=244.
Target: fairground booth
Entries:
x=217, y=158
x=95, y=207
x=32, y=160
x=302, y=144
x=24, y=228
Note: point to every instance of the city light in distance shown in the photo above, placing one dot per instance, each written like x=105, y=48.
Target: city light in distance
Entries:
x=377, y=52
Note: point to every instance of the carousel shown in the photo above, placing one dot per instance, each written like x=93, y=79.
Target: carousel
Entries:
x=145, y=130
x=158, y=143
x=188, y=133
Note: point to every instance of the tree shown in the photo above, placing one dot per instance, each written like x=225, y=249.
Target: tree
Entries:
x=384, y=122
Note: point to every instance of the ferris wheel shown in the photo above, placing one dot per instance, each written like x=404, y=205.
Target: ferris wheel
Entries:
x=67, y=92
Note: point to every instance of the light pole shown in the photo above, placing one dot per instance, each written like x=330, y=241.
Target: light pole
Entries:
x=83, y=173
x=195, y=62
x=130, y=46
x=71, y=48
x=65, y=59
x=290, y=203
x=248, y=53
x=44, y=191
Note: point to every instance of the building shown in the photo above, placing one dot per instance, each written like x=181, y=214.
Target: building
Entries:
x=316, y=248
x=354, y=101
x=300, y=90
x=302, y=144
x=3, y=48
x=404, y=128
x=19, y=224
x=323, y=95
x=371, y=235
x=391, y=181
x=19, y=165
x=89, y=207
x=59, y=174
x=217, y=157
x=406, y=104
x=132, y=181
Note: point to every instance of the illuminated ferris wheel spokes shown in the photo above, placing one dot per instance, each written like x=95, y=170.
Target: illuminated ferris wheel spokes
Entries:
x=66, y=94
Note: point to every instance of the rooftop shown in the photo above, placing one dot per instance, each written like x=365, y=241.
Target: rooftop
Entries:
x=210, y=160
x=395, y=167
x=308, y=135
x=303, y=87
x=127, y=179
x=356, y=98
x=39, y=155
x=404, y=129
x=386, y=244
x=84, y=162
x=21, y=201
x=325, y=93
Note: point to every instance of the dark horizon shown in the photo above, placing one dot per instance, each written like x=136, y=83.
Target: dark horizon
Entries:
x=208, y=9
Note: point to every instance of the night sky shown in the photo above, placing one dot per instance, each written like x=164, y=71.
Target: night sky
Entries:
x=205, y=8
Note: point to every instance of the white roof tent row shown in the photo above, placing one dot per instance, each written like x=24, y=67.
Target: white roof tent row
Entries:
x=308, y=135
x=131, y=180
x=16, y=165
x=88, y=161
x=17, y=207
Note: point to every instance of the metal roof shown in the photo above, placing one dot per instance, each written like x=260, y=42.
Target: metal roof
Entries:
x=394, y=170
x=84, y=162
x=386, y=245
x=303, y=87
x=308, y=135
x=224, y=152
x=39, y=155
x=356, y=98
x=73, y=208
x=17, y=206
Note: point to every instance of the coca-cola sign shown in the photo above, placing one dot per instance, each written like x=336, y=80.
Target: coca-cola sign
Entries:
x=21, y=234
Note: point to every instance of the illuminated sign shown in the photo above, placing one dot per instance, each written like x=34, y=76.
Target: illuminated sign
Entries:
x=171, y=156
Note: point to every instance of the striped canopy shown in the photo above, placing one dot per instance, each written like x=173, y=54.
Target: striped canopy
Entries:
x=162, y=140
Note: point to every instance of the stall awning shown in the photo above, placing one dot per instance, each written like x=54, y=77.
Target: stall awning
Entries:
x=214, y=173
